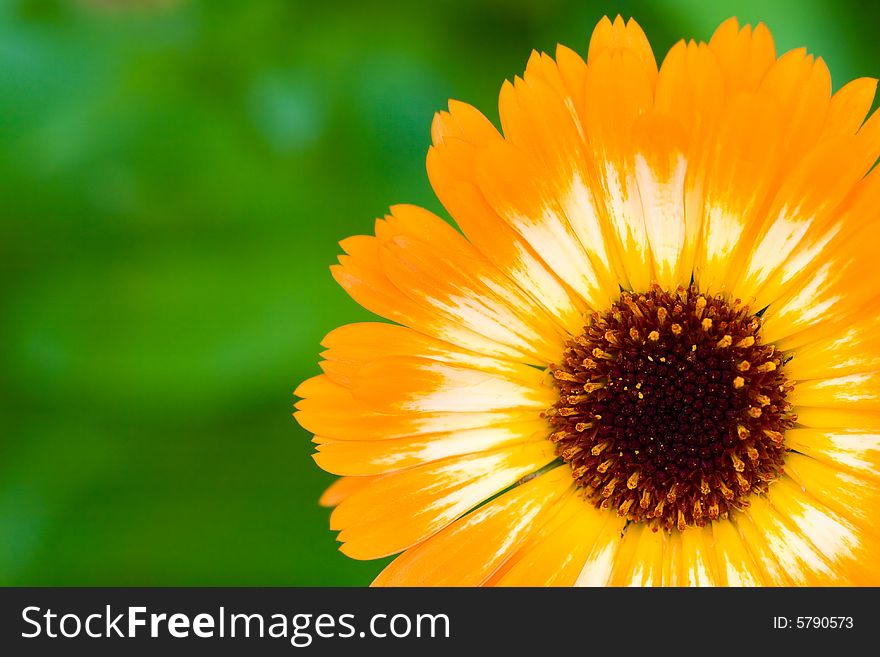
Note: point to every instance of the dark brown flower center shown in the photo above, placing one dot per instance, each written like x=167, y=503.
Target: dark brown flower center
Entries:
x=670, y=409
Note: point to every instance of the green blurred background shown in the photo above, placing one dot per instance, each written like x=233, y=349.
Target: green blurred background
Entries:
x=174, y=178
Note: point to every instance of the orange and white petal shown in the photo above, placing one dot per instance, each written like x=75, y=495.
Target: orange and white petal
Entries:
x=371, y=457
x=742, y=170
x=853, y=497
x=661, y=167
x=447, y=290
x=847, y=551
x=690, y=89
x=458, y=134
x=408, y=384
x=620, y=88
x=399, y=510
x=856, y=451
x=352, y=346
x=431, y=263
x=532, y=205
x=555, y=555
x=809, y=215
x=332, y=412
x=827, y=298
x=852, y=350
x=470, y=550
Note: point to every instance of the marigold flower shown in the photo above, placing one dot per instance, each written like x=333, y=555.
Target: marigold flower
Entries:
x=649, y=357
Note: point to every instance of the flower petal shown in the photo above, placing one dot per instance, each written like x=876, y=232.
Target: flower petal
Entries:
x=420, y=272
x=401, y=384
x=331, y=411
x=370, y=457
x=599, y=566
x=468, y=551
x=852, y=497
x=855, y=349
x=556, y=554
x=458, y=135
x=744, y=55
x=853, y=450
x=698, y=558
x=343, y=488
x=735, y=564
x=399, y=510
x=847, y=551
x=640, y=559
x=787, y=543
x=853, y=391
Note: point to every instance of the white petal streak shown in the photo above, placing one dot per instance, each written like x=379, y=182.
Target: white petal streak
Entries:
x=581, y=210
x=625, y=212
x=664, y=214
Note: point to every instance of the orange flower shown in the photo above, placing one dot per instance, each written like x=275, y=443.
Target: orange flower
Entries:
x=651, y=358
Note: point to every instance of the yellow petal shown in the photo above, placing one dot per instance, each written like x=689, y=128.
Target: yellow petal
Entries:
x=856, y=451
x=735, y=564
x=847, y=551
x=853, y=391
x=343, y=488
x=854, y=498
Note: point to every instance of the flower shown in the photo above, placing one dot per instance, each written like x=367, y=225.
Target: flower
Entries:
x=652, y=356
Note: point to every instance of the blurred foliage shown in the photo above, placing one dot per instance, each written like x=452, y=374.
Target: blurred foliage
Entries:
x=175, y=177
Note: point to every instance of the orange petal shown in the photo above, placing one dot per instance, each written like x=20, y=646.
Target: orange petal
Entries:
x=612, y=37
x=402, y=509
x=451, y=170
x=555, y=555
x=444, y=274
x=603, y=557
x=759, y=547
x=741, y=171
x=640, y=559
x=369, y=457
x=468, y=551
x=849, y=106
x=343, y=488
x=407, y=384
x=530, y=205
x=352, y=346
x=855, y=349
x=619, y=89
x=329, y=410
x=744, y=55
x=698, y=557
